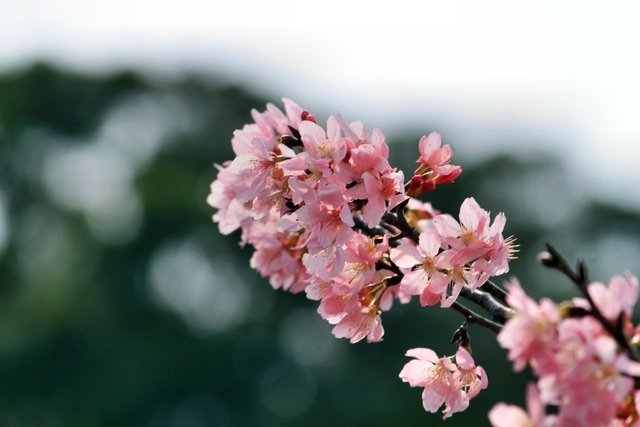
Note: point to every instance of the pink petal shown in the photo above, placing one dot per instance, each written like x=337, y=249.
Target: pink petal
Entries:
x=535, y=407
x=429, y=243
x=423, y=354
x=406, y=254
x=432, y=400
x=446, y=226
x=503, y=415
x=429, y=143
x=471, y=214
x=414, y=282
x=464, y=359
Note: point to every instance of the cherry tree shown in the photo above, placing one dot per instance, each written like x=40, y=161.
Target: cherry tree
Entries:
x=328, y=215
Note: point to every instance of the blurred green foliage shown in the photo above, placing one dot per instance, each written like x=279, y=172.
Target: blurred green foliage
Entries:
x=122, y=305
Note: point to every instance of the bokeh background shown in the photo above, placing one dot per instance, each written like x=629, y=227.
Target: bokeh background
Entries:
x=122, y=305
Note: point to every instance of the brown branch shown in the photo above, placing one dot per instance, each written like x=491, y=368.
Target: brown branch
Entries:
x=473, y=317
x=497, y=311
x=495, y=291
x=396, y=218
x=554, y=260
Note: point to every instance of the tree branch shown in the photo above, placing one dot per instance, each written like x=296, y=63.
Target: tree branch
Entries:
x=498, y=312
x=473, y=317
x=554, y=260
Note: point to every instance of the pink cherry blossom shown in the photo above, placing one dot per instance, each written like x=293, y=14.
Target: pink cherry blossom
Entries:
x=368, y=152
x=469, y=236
x=503, y=415
x=420, y=215
x=434, y=166
x=619, y=297
x=318, y=205
x=232, y=213
x=434, y=374
x=361, y=255
x=422, y=276
x=591, y=379
x=360, y=323
x=432, y=153
x=444, y=382
x=356, y=314
x=383, y=192
x=277, y=257
x=471, y=378
x=529, y=333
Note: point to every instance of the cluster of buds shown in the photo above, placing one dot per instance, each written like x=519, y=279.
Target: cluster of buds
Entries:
x=327, y=215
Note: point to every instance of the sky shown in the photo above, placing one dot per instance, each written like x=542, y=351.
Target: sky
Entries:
x=528, y=75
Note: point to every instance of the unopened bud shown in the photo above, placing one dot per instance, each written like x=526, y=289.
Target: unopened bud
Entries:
x=414, y=186
x=547, y=259
x=305, y=115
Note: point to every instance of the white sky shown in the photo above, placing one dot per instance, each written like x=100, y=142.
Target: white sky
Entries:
x=492, y=72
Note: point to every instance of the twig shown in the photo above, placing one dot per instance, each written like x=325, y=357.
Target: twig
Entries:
x=554, y=260
x=397, y=219
x=497, y=311
x=496, y=291
x=369, y=231
x=473, y=317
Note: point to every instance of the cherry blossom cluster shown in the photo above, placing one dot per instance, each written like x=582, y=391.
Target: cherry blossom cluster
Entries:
x=323, y=208
x=451, y=381
x=581, y=368
x=328, y=215
x=464, y=254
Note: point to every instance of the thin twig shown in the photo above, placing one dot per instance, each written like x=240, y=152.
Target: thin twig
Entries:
x=553, y=259
x=396, y=218
x=498, y=312
x=496, y=291
x=473, y=317
x=369, y=231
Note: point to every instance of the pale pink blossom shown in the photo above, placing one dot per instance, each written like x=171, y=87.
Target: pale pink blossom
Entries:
x=470, y=236
x=322, y=149
x=471, y=378
x=530, y=332
x=434, y=374
x=591, y=378
x=278, y=257
x=620, y=296
x=274, y=122
x=459, y=275
x=361, y=255
x=420, y=215
x=232, y=213
x=361, y=323
x=356, y=315
x=445, y=381
x=503, y=415
x=434, y=166
x=432, y=153
x=368, y=152
x=422, y=276
x=382, y=192
x=324, y=209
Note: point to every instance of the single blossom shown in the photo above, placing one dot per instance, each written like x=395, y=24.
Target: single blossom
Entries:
x=531, y=331
x=503, y=415
x=422, y=276
x=445, y=381
x=620, y=296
